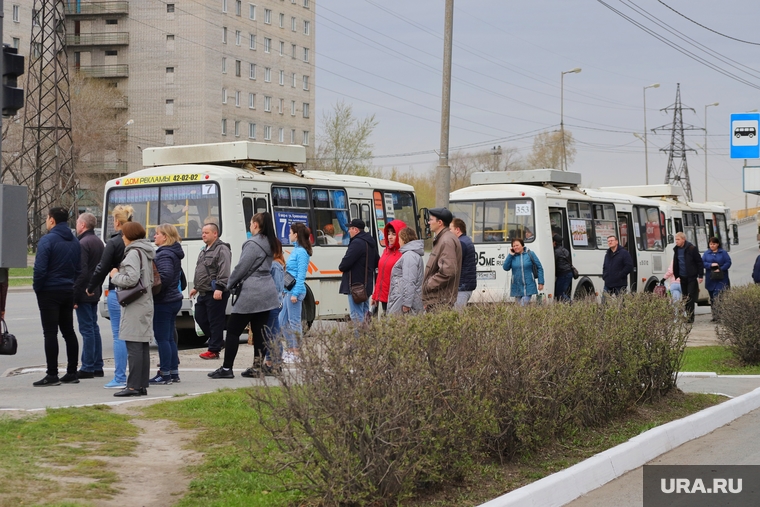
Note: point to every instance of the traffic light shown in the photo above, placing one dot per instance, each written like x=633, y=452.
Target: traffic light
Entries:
x=13, y=67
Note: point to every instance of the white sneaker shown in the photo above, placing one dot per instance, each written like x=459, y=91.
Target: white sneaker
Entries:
x=289, y=357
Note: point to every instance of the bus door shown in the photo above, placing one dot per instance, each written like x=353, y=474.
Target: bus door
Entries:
x=362, y=208
x=628, y=241
x=558, y=222
x=254, y=203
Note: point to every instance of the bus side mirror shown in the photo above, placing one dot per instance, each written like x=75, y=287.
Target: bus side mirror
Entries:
x=735, y=234
x=424, y=217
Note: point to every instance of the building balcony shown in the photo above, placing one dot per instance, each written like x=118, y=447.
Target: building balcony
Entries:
x=104, y=70
x=74, y=8
x=117, y=168
x=98, y=39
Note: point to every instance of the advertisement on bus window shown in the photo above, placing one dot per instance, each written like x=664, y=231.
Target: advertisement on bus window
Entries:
x=284, y=219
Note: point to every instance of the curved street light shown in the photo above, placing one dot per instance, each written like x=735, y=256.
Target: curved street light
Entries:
x=562, y=113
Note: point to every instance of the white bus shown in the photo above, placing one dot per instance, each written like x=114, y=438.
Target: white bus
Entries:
x=535, y=205
x=230, y=182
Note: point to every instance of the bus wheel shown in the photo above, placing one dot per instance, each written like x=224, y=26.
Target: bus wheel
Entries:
x=584, y=291
x=308, y=310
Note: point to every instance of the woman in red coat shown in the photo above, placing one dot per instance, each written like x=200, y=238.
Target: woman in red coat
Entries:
x=390, y=255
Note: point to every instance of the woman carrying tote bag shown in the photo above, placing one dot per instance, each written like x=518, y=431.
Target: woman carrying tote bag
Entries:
x=136, y=324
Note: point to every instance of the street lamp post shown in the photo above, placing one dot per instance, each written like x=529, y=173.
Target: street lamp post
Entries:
x=708, y=105
x=646, y=150
x=562, y=112
x=118, y=132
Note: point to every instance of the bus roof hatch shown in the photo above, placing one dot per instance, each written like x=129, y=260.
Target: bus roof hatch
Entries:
x=530, y=177
x=226, y=153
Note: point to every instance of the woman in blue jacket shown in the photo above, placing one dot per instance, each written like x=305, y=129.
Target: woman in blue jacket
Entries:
x=297, y=265
x=521, y=261
x=716, y=262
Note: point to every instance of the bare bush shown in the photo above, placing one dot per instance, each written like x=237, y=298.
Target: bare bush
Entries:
x=738, y=326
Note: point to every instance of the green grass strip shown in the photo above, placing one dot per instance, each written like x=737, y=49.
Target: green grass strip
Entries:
x=716, y=358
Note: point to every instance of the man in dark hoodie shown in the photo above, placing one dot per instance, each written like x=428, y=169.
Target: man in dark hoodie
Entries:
x=358, y=266
x=56, y=268
x=87, y=305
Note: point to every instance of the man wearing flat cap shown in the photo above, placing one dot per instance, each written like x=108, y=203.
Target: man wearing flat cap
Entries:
x=358, y=266
x=441, y=283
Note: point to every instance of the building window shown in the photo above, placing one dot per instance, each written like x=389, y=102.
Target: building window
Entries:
x=281, y=135
x=267, y=104
x=169, y=7
x=292, y=108
x=224, y=9
x=252, y=12
x=237, y=37
x=253, y=42
x=267, y=74
x=282, y=78
x=238, y=7
x=169, y=75
x=305, y=138
x=224, y=126
x=293, y=50
x=306, y=82
x=170, y=42
x=306, y=4
x=282, y=48
x=224, y=95
x=224, y=65
x=169, y=107
x=306, y=27
x=251, y=131
x=294, y=80
x=305, y=54
x=282, y=20
x=292, y=136
x=169, y=137
x=111, y=53
x=305, y=109
x=267, y=44
x=16, y=13
x=35, y=17
x=252, y=71
x=112, y=22
x=238, y=64
x=237, y=99
x=267, y=133
x=281, y=106
x=237, y=128
x=224, y=35
x=16, y=42
x=268, y=16
x=251, y=101
x=293, y=23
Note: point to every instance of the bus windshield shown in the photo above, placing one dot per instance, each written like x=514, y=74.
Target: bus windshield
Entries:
x=186, y=206
x=497, y=221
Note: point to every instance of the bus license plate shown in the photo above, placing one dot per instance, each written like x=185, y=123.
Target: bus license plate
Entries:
x=486, y=275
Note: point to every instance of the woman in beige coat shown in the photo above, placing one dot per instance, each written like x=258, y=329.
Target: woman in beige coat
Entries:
x=136, y=325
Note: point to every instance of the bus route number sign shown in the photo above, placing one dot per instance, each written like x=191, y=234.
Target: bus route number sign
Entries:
x=490, y=261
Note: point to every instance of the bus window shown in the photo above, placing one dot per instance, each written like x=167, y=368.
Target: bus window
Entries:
x=497, y=221
x=291, y=205
x=721, y=230
x=247, y=210
x=695, y=229
x=581, y=225
x=186, y=206
x=649, y=235
x=331, y=214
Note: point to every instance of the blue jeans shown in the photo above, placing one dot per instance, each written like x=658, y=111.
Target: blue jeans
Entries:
x=272, y=332
x=675, y=291
x=523, y=300
x=358, y=310
x=119, y=346
x=290, y=320
x=562, y=286
x=164, y=318
x=92, y=346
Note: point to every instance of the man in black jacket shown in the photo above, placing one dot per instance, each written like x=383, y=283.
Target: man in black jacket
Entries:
x=358, y=266
x=563, y=270
x=468, y=277
x=617, y=266
x=687, y=265
x=86, y=305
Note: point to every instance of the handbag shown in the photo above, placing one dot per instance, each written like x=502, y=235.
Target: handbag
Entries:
x=534, y=265
x=716, y=274
x=8, y=342
x=358, y=289
x=131, y=294
x=156, y=287
x=575, y=273
x=288, y=281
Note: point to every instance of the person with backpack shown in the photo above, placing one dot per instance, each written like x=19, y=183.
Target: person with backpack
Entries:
x=526, y=268
x=168, y=302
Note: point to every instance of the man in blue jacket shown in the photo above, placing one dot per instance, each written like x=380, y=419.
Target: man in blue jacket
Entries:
x=56, y=269
x=468, y=277
x=358, y=266
x=617, y=266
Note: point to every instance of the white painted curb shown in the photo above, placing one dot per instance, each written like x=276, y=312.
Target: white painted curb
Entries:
x=565, y=486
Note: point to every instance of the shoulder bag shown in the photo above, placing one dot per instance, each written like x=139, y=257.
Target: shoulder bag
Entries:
x=8, y=342
x=288, y=281
x=359, y=290
x=716, y=274
x=533, y=264
x=238, y=287
x=156, y=287
x=131, y=294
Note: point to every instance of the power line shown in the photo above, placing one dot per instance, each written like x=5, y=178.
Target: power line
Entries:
x=708, y=28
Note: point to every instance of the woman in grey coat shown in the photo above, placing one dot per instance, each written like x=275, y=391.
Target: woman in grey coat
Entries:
x=136, y=323
x=405, y=294
x=258, y=294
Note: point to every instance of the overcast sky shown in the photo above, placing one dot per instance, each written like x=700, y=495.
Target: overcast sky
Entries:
x=384, y=58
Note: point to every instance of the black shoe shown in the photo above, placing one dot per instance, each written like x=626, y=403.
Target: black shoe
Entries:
x=128, y=391
x=221, y=373
x=143, y=391
x=161, y=379
x=85, y=374
x=49, y=380
x=175, y=378
x=70, y=378
x=98, y=373
x=250, y=373
x=270, y=370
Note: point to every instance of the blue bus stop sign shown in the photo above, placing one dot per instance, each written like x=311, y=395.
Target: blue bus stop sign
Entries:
x=745, y=142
